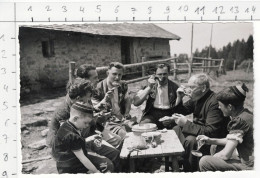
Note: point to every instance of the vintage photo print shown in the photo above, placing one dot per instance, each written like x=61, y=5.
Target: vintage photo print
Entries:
x=137, y=97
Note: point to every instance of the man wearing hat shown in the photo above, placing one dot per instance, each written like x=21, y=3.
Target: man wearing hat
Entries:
x=69, y=149
x=240, y=136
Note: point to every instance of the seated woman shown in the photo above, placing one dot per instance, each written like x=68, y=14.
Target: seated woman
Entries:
x=240, y=137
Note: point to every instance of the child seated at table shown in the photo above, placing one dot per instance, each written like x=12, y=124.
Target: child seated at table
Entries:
x=69, y=148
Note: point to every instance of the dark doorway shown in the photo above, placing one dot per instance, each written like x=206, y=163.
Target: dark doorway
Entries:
x=125, y=50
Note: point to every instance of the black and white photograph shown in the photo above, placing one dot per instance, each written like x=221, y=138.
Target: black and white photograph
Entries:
x=136, y=97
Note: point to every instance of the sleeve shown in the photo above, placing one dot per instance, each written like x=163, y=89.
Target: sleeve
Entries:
x=125, y=88
x=96, y=96
x=62, y=113
x=212, y=126
x=185, y=108
x=73, y=141
x=238, y=129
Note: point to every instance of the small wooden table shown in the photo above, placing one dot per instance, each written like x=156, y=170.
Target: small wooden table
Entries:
x=170, y=146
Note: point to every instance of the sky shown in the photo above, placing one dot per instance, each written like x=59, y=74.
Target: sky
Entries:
x=222, y=34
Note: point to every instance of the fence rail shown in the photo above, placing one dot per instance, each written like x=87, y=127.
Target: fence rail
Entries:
x=205, y=66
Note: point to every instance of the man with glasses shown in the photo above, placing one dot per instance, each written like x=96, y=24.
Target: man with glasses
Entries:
x=111, y=94
x=207, y=118
x=161, y=96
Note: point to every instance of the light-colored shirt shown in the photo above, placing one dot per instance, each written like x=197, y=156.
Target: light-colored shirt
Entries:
x=162, y=99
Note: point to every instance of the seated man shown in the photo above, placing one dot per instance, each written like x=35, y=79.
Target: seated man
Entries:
x=69, y=148
x=231, y=101
x=160, y=95
x=80, y=91
x=87, y=72
x=111, y=93
x=207, y=117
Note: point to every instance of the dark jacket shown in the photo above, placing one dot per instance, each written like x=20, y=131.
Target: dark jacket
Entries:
x=62, y=114
x=101, y=90
x=172, y=88
x=66, y=141
x=243, y=125
x=207, y=117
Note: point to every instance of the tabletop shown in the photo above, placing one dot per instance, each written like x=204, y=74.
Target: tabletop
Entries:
x=170, y=145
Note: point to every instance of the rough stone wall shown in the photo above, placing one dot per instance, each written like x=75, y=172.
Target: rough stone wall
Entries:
x=38, y=72
x=150, y=48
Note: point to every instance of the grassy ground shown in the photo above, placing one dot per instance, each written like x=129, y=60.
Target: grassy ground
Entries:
x=44, y=107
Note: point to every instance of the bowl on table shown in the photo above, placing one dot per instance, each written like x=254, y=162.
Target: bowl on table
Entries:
x=138, y=129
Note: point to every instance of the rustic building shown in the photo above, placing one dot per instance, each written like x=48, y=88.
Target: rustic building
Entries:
x=46, y=50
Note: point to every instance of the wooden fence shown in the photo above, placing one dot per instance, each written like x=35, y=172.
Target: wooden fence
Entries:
x=206, y=65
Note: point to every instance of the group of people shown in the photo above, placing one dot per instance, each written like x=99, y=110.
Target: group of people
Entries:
x=87, y=132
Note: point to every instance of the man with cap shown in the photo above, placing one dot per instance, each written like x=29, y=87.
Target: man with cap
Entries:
x=69, y=148
x=85, y=71
x=240, y=136
x=81, y=91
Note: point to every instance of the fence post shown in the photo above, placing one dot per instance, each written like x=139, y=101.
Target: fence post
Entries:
x=174, y=69
x=71, y=72
x=209, y=66
x=143, y=67
x=220, y=66
x=248, y=66
x=203, y=65
x=234, y=66
x=190, y=67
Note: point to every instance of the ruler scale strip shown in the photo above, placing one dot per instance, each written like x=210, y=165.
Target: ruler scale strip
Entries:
x=14, y=14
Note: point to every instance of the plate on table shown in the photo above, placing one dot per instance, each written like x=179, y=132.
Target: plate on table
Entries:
x=151, y=134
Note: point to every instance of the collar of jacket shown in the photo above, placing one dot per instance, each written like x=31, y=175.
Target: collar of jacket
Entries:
x=205, y=96
x=171, y=90
x=74, y=127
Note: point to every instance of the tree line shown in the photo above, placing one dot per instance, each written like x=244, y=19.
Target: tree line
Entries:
x=239, y=50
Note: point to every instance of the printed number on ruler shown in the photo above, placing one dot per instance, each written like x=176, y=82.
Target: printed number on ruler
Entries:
x=140, y=11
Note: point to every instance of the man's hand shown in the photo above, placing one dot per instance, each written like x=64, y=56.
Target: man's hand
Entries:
x=103, y=166
x=179, y=119
x=104, y=103
x=96, y=139
x=151, y=81
x=180, y=92
x=108, y=95
x=203, y=138
x=166, y=120
x=102, y=117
